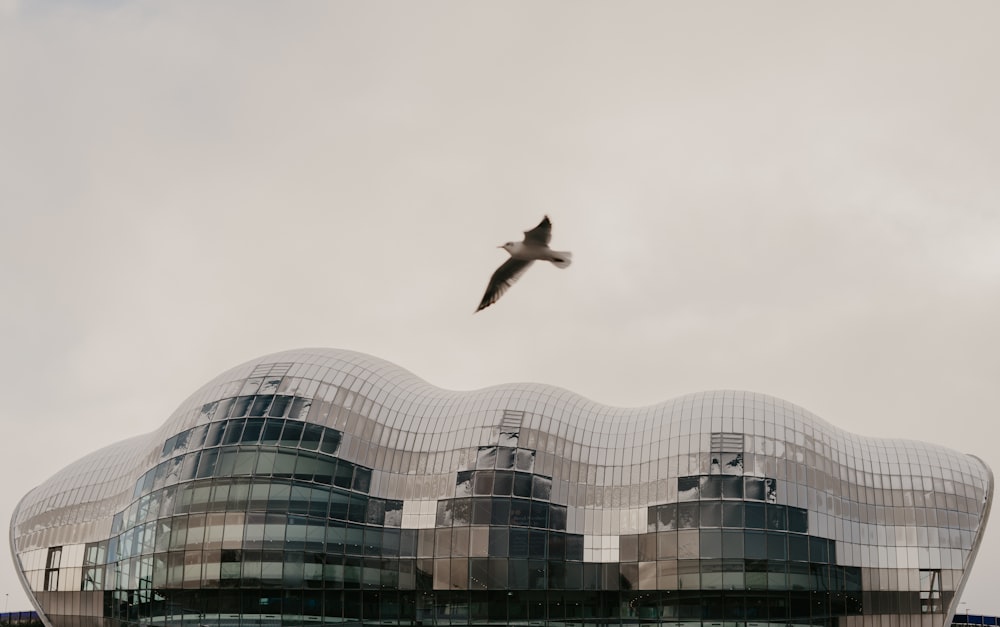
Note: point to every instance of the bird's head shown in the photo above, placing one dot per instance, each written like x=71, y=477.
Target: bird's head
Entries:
x=509, y=246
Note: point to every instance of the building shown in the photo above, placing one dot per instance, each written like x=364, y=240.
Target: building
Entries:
x=329, y=486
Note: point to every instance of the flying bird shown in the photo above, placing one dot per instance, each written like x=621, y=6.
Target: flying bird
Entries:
x=535, y=246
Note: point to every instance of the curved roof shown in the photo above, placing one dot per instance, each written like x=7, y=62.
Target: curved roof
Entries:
x=415, y=436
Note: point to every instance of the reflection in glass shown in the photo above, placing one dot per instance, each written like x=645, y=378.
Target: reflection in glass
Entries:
x=248, y=503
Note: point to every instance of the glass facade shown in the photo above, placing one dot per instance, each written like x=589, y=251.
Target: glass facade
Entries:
x=325, y=486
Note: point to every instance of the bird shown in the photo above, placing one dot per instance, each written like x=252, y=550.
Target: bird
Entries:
x=534, y=247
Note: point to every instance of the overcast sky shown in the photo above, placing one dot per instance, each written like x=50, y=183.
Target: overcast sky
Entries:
x=794, y=198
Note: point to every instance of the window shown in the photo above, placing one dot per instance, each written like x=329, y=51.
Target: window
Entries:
x=930, y=591
x=93, y=566
x=52, y=561
x=727, y=454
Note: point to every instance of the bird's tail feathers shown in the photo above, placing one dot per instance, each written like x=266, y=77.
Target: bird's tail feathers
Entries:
x=561, y=259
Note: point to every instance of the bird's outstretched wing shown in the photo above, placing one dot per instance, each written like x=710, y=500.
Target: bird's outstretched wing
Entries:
x=541, y=234
x=506, y=275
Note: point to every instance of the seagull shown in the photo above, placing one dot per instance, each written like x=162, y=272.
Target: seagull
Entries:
x=522, y=254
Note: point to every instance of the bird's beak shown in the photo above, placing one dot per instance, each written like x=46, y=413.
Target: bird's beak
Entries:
x=500, y=246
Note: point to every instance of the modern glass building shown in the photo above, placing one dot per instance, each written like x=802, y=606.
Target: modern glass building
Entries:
x=326, y=486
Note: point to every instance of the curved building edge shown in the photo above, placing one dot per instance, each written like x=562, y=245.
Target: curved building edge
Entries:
x=987, y=507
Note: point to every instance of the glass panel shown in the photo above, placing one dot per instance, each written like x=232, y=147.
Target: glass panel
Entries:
x=688, y=488
x=711, y=513
x=798, y=520
x=688, y=515
x=206, y=467
x=732, y=544
x=770, y=490
x=300, y=408
x=497, y=575
x=479, y=541
x=517, y=574
x=776, y=517
x=539, y=514
x=525, y=460
x=541, y=487
x=732, y=487
x=463, y=483
x=284, y=464
x=688, y=574
x=503, y=483
x=628, y=548
x=362, y=479
x=339, y=504
x=711, y=574
x=190, y=466
x=711, y=487
x=666, y=517
x=468, y=574
x=732, y=515
x=499, y=511
x=666, y=545
x=246, y=462
x=520, y=512
x=478, y=573
x=391, y=542
x=462, y=512
x=754, y=488
x=278, y=406
x=756, y=573
x=345, y=475
x=354, y=540
x=483, y=483
x=798, y=548
x=331, y=441
x=499, y=541
x=358, y=508
x=518, y=542
x=291, y=434
x=776, y=575
x=376, y=512
x=776, y=546
x=755, y=544
x=754, y=513
x=241, y=406
x=481, y=512
x=522, y=484
x=711, y=544
x=687, y=544
x=223, y=409
x=574, y=547
x=261, y=404
x=311, y=436
x=557, y=546
x=557, y=517
x=818, y=549
x=168, y=446
x=486, y=458
x=227, y=462
x=272, y=431
x=214, y=435
x=505, y=458
x=537, y=543
x=252, y=430
x=234, y=430
x=336, y=538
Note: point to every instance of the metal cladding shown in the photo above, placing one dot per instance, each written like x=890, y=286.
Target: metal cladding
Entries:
x=324, y=485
